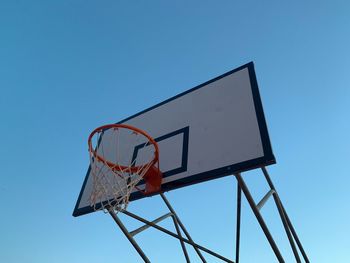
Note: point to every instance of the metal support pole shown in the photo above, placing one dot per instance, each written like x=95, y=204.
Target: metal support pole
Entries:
x=282, y=214
x=129, y=237
x=286, y=222
x=296, y=237
x=259, y=217
x=182, y=226
x=166, y=231
x=238, y=224
x=178, y=231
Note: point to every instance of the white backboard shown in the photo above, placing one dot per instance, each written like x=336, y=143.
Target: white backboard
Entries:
x=215, y=129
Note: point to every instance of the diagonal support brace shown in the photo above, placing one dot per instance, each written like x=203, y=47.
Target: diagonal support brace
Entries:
x=264, y=199
x=144, y=227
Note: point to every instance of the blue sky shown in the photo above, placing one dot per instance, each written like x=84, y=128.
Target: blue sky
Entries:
x=67, y=67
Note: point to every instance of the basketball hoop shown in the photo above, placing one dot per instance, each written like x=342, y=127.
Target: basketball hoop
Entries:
x=117, y=167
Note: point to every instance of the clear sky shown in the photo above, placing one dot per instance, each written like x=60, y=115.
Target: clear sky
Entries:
x=67, y=67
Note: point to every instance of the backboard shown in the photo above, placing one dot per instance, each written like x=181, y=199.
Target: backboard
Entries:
x=215, y=129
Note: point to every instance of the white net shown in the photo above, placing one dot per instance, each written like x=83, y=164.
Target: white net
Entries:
x=126, y=158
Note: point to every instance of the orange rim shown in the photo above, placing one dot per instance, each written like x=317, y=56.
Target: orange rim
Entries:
x=115, y=166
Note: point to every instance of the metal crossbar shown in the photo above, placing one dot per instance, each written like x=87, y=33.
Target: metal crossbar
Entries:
x=144, y=227
x=264, y=199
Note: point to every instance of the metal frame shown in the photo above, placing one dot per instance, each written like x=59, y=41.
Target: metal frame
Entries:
x=180, y=228
x=287, y=224
x=178, y=225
